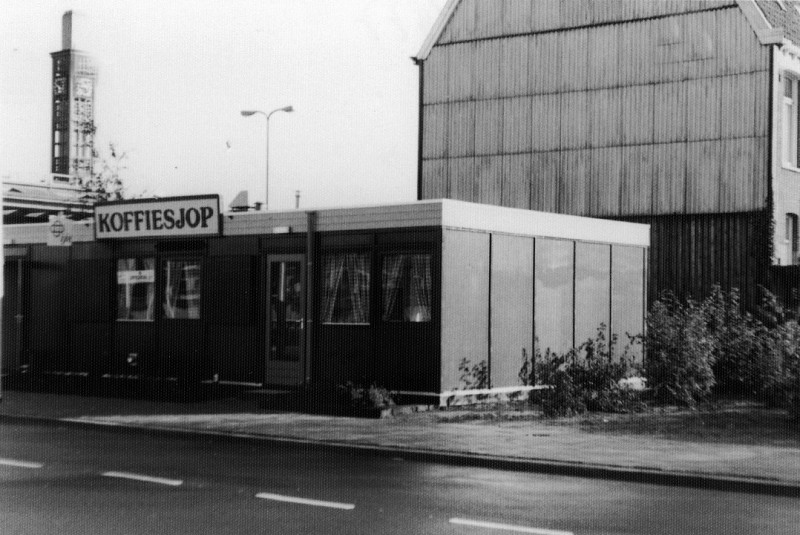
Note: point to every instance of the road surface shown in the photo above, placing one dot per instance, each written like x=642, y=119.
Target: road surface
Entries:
x=78, y=480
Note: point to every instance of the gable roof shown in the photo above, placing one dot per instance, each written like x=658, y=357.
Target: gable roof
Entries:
x=769, y=20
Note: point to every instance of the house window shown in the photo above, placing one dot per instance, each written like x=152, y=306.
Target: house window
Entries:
x=182, y=280
x=345, y=288
x=792, y=238
x=406, y=286
x=135, y=289
x=789, y=119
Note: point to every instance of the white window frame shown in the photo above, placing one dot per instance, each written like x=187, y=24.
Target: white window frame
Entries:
x=789, y=121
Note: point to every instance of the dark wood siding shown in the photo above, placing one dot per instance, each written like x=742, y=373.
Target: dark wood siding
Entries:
x=690, y=254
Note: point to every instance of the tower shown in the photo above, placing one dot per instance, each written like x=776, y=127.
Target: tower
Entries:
x=74, y=77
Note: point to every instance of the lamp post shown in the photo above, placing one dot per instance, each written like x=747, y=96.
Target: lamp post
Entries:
x=248, y=113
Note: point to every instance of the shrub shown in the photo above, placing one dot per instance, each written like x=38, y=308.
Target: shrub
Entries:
x=746, y=359
x=373, y=397
x=679, y=352
x=474, y=377
x=587, y=378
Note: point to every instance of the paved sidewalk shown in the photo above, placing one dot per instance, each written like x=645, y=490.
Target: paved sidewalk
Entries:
x=524, y=445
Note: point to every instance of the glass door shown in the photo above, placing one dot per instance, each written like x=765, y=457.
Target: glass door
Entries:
x=285, y=320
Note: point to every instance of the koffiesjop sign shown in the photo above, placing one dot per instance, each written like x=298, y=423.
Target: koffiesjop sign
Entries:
x=176, y=216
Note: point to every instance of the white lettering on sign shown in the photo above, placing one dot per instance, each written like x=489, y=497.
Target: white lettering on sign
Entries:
x=163, y=217
x=135, y=277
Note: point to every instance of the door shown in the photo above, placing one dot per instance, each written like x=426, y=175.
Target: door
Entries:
x=285, y=320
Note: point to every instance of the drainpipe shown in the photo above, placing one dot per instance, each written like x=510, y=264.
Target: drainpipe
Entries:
x=310, y=311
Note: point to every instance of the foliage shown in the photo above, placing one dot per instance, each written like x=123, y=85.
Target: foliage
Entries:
x=474, y=377
x=587, y=378
x=745, y=359
x=104, y=182
x=374, y=396
x=679, y=352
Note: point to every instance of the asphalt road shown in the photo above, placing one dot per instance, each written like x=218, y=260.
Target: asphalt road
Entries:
x=76, y=480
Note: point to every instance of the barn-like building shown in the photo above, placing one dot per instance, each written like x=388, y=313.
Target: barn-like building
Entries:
x=681, y=114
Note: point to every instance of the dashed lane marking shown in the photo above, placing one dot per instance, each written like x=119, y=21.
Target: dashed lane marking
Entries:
x=20, y=464
x=507, y=527
x=304, y=501
x=147, y=479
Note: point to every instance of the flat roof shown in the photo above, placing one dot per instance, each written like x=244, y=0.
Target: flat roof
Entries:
x=444, y=213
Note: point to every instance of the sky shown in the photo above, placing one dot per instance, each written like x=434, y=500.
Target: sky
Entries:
x=175, y=74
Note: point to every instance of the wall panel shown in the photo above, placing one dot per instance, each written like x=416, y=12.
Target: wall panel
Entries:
x=545, y=67
x=546, y=122
x=737, y=95
x=486, y=72
x=637, y=105
x=461, y=131
x=435, y=179
x=516, y=186
x=669, y=166
x=575, y=60
x=575, y=165
x=435, y=87
x=517, y=16
x=605, y=174
x=703, y=99
x=489, y=179
x=511, y=307
x=514, y=78
x=669, y=112
x=435, y=122
x=516, y=125
x=545, y=181
x=460, y=68
x=488, y=126
x=605, y=117
x=603, y=56
x=703, y=176
x=465, y=302
x=461, y=179
x=575, y=120
x=636, y=180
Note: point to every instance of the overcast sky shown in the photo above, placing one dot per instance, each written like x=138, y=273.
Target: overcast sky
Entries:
x=174, y=75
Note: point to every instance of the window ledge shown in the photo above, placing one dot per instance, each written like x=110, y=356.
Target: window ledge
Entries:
x=788, y=167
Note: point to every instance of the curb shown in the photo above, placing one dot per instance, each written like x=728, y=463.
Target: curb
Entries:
x=644, y=475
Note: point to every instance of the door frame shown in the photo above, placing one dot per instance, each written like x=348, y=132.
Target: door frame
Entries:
x=285, y=373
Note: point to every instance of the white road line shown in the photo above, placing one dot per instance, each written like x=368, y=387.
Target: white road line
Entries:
x=507, y=527
x=20, y=464
x=304, y=501
x=147, y=479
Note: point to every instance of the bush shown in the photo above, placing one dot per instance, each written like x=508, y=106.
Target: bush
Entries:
x=587, y=378
x=474, y=377
x=746, y=358
x=360, y=397
x=679, y=352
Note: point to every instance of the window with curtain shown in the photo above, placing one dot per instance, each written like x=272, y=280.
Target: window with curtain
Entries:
x=345, y=288
x=135, y=289
x=182, y=280
x=406, y=286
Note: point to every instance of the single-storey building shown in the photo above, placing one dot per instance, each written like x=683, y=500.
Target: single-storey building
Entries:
x=171, y=292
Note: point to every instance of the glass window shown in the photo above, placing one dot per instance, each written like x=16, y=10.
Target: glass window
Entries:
x=345, y=288
x=627, y=295
x=553, y=294
x=182, y=280
x=135, y=288
x=592, y=289
x=406, y=286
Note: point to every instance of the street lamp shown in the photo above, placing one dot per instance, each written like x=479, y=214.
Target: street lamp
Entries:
x=248, y=113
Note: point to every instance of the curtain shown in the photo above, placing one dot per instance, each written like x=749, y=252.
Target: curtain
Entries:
x=182, y=289
x=421, y=284
x=333, y=269
x=345, y=297
x=358, y=273
x=392, y=268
